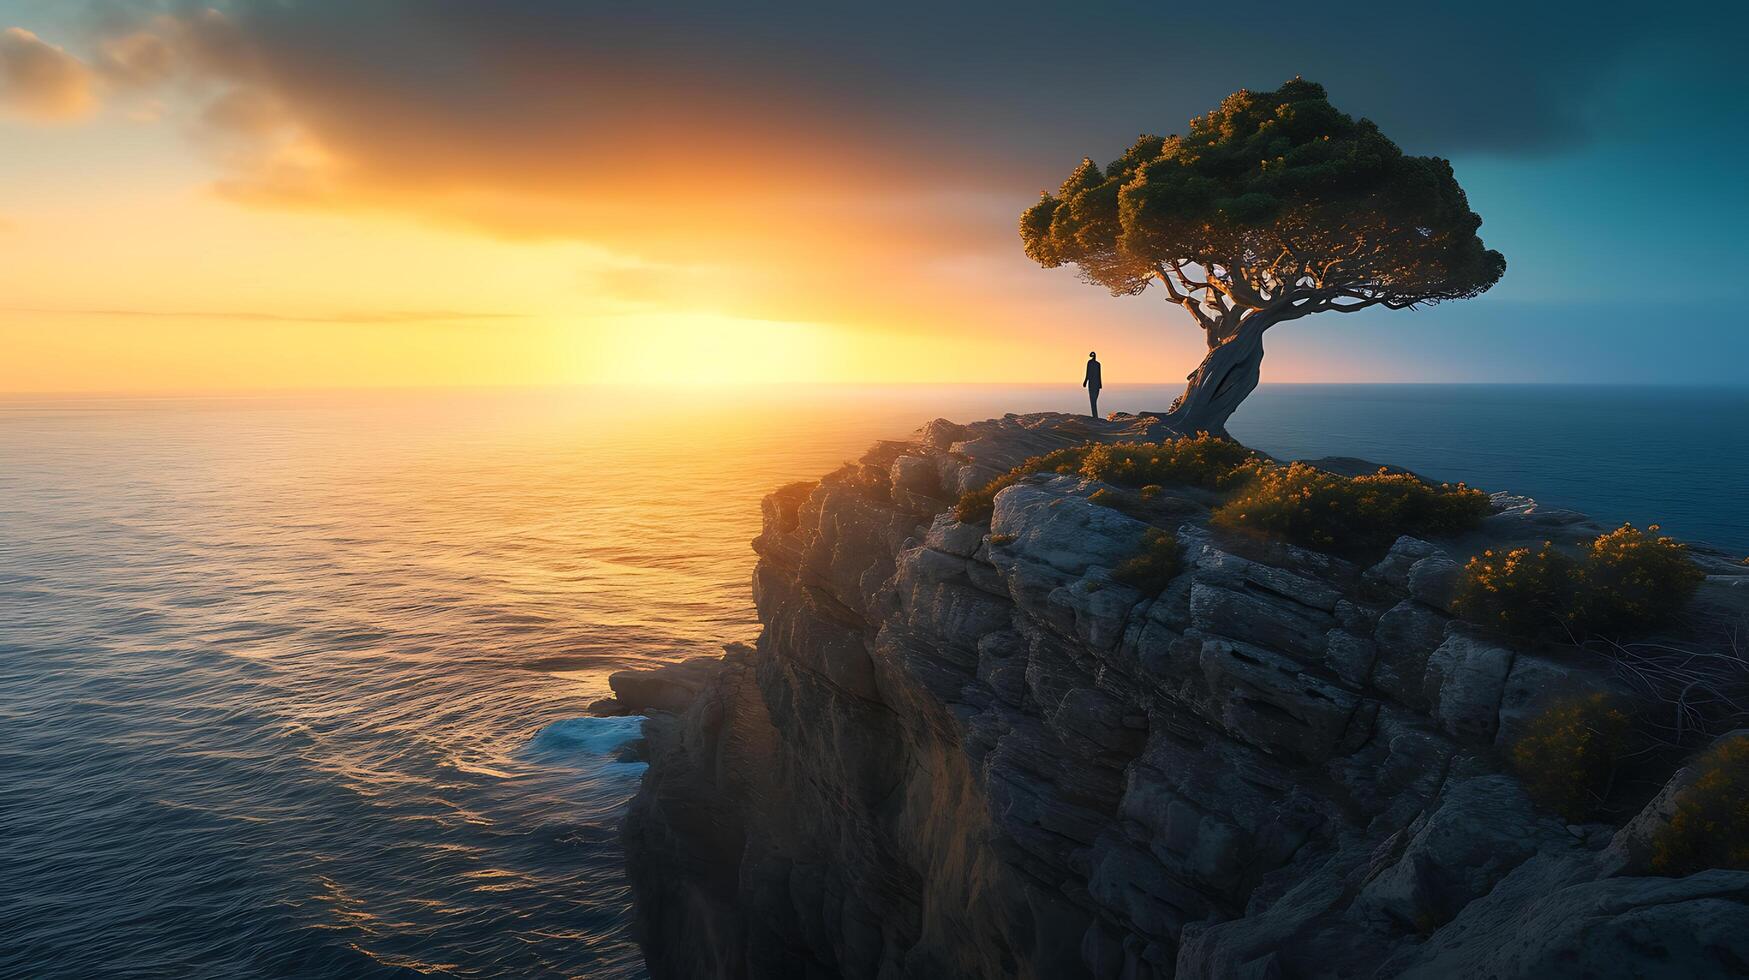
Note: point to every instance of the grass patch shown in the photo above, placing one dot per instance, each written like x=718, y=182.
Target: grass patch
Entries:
x=1155, y=565
x=1624, y=582
x=1105, y=497
x=976, y=505
x=1308, y=506
x=1568, y=755
x=1710, y=825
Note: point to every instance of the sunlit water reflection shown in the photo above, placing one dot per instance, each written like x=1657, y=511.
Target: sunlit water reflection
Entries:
x=296, y=686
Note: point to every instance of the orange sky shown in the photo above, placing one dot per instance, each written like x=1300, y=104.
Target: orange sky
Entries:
x=176, y=288
x=182, y=212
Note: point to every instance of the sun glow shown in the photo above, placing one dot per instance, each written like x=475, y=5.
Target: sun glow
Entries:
x=150, y=281
x=171, y=288
x=706, y=348
x=220, y=237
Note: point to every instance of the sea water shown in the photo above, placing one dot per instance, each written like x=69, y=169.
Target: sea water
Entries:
x=296, y=685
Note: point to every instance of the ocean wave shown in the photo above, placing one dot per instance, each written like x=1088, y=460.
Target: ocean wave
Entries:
x=586, y=738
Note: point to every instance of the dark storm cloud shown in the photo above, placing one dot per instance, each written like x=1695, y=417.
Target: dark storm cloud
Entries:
x=550, y=96
x=987, y=80
x=991, y=77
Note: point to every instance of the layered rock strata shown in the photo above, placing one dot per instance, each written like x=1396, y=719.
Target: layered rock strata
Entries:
x=967, y=750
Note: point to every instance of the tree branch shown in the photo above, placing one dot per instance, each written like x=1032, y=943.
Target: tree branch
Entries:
x=1190, y=285
x=1182, y=299
x=1244, y=291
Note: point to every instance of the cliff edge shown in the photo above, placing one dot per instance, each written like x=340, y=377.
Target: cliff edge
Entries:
x=961, y=750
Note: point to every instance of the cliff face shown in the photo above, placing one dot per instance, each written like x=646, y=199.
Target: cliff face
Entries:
x=967, y=751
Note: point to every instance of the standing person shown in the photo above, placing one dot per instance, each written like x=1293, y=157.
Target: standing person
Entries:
x=1091, y=382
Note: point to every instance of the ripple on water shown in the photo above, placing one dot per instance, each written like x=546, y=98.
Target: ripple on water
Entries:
x=291, y=691
x=296, y=686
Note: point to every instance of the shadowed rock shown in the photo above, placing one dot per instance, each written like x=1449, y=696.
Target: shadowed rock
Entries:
x=969, y=751
x=670, y=688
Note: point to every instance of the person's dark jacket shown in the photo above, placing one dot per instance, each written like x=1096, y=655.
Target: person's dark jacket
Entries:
x=1092, y=379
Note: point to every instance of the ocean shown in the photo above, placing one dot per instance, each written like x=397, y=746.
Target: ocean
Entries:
x=296, y=685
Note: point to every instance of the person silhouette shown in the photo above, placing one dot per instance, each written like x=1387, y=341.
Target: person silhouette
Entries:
x=1091, y=382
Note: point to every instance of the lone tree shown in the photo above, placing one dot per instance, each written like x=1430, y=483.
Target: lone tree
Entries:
x=1274, y=206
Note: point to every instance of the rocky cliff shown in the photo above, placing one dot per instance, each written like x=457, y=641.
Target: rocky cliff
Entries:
x=966, y=750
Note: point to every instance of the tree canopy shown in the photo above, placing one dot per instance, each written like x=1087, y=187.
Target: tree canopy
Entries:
x=1273, y=206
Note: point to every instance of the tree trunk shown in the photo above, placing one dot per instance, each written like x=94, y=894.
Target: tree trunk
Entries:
x=1225, y=377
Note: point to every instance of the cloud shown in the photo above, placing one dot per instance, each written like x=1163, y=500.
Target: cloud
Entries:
x=550, y=96
x=244, y=112
x=137, y=59
x=41, y=81
x=974, y=82
x=542, y=106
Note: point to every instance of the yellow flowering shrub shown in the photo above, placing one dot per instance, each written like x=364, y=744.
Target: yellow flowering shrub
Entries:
x=1710, y=825
x=1635, y=581
x=1624, y=581
x=1201, y=460
x=1522, y=592
x=1318, y=509
x=1566, y=758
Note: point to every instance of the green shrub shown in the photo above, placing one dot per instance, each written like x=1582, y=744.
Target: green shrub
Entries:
x=1567, y=757
x=1317, y=509
x=1625, y=581
x=975, y=505
x=1154, y=566
x=1104, y=497
x=1710, y=825
x=1201, y=460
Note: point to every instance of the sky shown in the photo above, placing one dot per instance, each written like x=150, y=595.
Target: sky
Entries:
x=330, y=193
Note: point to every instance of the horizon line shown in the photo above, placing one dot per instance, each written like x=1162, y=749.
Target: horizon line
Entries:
x=267, y=392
